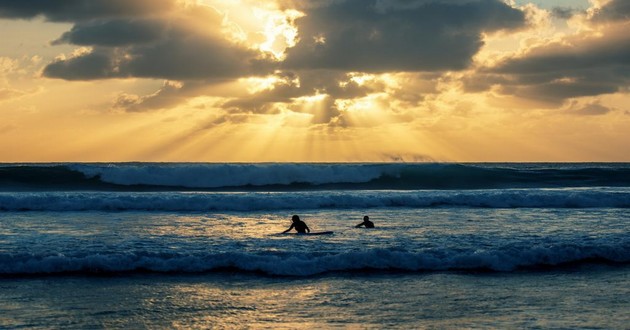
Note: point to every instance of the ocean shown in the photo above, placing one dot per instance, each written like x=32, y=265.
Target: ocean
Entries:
x=199, y=245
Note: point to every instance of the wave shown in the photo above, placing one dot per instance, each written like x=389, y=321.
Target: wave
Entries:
x=507, y=259
x=271, y=201
x=307, y=176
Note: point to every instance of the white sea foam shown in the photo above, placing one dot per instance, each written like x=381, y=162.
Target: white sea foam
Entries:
x=502, y=260
x=261, y=201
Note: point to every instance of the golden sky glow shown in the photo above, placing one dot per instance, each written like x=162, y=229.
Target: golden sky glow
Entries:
x=330, y=81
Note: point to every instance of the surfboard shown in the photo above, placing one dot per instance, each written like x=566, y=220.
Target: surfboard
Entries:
x=318, y=233
x=309, y=234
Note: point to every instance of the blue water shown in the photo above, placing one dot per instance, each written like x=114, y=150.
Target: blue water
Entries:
x=198, y=245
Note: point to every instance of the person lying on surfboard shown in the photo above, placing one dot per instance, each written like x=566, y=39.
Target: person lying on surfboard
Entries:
x=299, y=226
x=366, y=222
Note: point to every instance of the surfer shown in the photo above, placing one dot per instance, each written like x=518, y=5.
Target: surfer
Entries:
x=366, y=222
x=299, y=226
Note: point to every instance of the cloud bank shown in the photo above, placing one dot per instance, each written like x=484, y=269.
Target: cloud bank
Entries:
x=593, y=62
x=385, y=36
x=191, y=45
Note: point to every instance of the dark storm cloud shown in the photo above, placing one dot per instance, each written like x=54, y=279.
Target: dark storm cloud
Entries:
x=183, y=57
x=97, y=64
x=555, y=93
x=360, y=35
x=380, y=36
x=606, y=56
x=337, y=37
x=573, y=67
x=115, y=32
x=615, y=10
x=77, y=10
x=557, y=60
x=164, y=39
x=186, y=45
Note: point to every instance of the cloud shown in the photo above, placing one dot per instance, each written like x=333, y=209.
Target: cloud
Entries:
x=563, y=12
x=188, y=44
x=380, y=36
x=325, y=93
x=169, y=95
x=312, y=92
x=9, y=93
x=340, y=38
x=279, y=88
x=192, y=47
x=615, y=10
x=196, y=45
x=114, y=32
x=593, y=62
x=591, y=109
x=80, y=10
x=12, y=70
x=291, y=85
x=97, y=64
x=568, y=55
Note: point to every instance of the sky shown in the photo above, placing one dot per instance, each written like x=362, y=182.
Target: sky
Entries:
x=315, y=81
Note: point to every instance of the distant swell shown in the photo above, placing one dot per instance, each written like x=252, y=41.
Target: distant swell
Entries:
x=504, y=260
x=307, y=176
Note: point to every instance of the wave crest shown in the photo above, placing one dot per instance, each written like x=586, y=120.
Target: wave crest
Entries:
x=502, y=260
x=271, y=201
x=290, y=176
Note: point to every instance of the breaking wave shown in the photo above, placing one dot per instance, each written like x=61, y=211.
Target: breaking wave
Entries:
x=307, y=176
x=271, y=201
x=507, y=259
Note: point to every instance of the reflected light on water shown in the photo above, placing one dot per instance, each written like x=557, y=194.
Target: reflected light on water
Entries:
x=237, y=305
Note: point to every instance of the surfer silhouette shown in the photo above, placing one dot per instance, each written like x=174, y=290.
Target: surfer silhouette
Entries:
x=299, y=226
x=366, y=222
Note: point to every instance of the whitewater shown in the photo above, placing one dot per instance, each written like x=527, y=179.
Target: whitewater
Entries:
x=165, y=245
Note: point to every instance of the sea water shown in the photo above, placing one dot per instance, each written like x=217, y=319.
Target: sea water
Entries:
x=140, y=245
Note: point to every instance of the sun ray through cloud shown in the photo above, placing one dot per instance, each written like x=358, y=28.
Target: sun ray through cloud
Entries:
x=316, y=70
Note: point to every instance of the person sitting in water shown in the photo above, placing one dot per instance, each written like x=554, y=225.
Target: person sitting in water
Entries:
x=366, y=222
x=299, y=226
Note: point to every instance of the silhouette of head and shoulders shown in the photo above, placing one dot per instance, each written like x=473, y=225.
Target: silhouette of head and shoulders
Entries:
x=366, y=223
x=299, y=225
